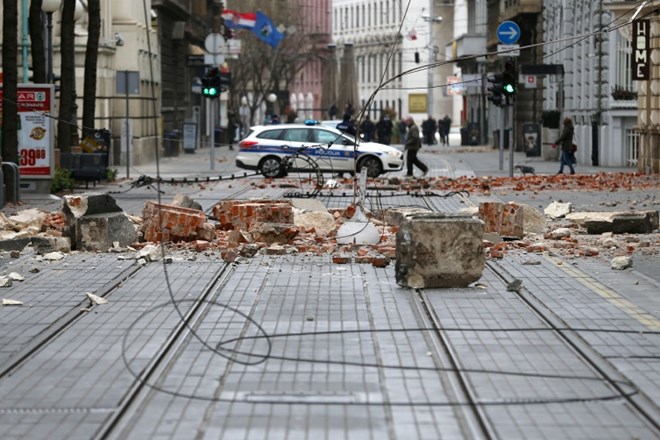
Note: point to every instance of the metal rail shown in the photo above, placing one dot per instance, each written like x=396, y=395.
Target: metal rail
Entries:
x=642, y=405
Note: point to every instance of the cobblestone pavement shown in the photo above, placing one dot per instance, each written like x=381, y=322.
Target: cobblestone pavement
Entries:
x=296, y=347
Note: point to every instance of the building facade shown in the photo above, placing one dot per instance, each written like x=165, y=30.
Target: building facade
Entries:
x=598, y=91
x=306, y=90
x=392, y=45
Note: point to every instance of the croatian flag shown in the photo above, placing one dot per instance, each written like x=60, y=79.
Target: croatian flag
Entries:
x=236, y=20
x=265, y=30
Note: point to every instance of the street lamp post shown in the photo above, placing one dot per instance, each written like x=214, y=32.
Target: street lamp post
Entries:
x=50, y=6
x=432, y=59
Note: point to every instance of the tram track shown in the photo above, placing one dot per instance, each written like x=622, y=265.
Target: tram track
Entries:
x=134, y=396
x=643, y=406
x=476, y=420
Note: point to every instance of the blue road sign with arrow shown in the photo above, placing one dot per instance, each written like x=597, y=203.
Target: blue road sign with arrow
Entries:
x=508, y=32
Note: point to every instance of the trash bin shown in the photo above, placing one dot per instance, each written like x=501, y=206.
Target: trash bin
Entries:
x=473, y=134
x=217, y=138
x=103, y=137
x=171, y=143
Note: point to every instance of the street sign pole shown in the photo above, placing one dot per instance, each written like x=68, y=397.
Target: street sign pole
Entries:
x=512, y=136
x=502, y=127
x=212, y=114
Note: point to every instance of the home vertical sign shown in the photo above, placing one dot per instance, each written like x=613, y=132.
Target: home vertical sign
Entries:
x=641, y=51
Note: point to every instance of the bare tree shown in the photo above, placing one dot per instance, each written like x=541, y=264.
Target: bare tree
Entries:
x=36, y=29
x=66, y=121
x=262, y=69
x=91, y=58
x=10, y=73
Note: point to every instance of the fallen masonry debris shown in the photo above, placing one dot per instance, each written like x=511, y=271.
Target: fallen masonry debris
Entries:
x=439, y=250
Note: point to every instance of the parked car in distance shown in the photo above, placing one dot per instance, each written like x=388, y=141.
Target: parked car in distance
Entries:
x=273, y=150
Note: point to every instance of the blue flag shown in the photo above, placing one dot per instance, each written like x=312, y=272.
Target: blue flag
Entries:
x=265, y=30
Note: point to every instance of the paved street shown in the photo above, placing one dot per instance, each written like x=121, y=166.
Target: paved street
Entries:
x=297, y=347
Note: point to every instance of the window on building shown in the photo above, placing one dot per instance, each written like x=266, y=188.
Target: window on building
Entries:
x=624, y=60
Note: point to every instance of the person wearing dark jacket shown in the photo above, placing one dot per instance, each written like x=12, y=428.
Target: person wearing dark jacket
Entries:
x=566, y=143
x=347, y=125
x=413, y=144
x=384, y=130
x=429, y=128
x=367, y=128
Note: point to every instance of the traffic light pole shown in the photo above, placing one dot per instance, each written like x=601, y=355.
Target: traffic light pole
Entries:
x=509, y=101
x=502, y=128
x=212, y=116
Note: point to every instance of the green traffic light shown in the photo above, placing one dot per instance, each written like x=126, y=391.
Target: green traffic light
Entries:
x=509, y=88
x=210, y=91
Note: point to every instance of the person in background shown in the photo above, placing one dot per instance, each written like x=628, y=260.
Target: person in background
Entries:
x=275, y=119
x=384, y=129
x=367, y=129
x=403, y=131
x=429, y=127
x=346, y=125
x=413, y=144
x=566, y=142
x=444, y=128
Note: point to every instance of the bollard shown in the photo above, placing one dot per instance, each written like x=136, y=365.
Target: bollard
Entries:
x=11, y=181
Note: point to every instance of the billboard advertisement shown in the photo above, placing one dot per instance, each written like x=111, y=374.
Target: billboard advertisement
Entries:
x=36, y=124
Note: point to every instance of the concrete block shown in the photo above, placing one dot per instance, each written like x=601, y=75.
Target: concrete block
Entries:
x=396, y=216
x=78, y=205
x=274, y=233
x=98, y=232
x=638, y=222
x=44, y=245
x=439, y=250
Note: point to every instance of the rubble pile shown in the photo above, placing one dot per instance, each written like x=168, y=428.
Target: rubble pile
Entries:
x=240, y=229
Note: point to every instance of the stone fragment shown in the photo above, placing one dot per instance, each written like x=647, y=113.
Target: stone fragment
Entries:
x=322, y=222
x=95, y=299
x=533, y=221
x=396, y=216
x=184, y=201
x=271, y=233
x=94, y=222
x=206, y=232
x=30, y=219
x=5, y=281
x=558, y=209
x=275, y=249
x=15, y=276
x=621, y=263
x=44, y=245
x=11, y=302
x=639, y=222
x=559, y=233
x=439, y=250
x=308, y=204
x=249, y=250
x=149, y=253
x=54, y=256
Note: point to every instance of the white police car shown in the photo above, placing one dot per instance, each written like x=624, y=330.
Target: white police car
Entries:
x=274, y=150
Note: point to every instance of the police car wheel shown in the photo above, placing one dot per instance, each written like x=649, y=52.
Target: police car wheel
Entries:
x=271, y=167
x=373, y=166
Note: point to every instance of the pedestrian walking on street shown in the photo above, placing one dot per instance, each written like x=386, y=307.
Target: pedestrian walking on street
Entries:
x=413, y=144
x=566, y=142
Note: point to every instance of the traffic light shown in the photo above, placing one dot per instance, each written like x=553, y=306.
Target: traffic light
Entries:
x=510, y=79
x=211, y=84
x=497, y=89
